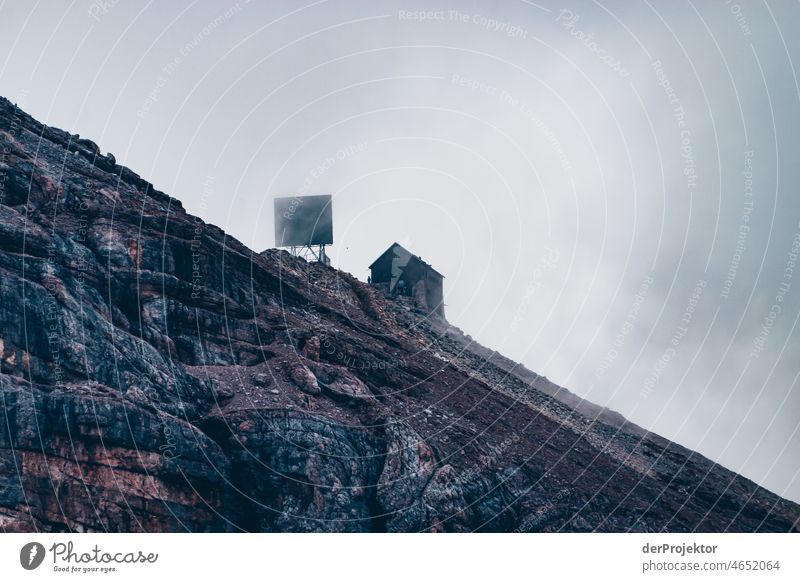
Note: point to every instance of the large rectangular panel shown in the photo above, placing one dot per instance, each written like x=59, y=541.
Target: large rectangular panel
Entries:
x=303, y=220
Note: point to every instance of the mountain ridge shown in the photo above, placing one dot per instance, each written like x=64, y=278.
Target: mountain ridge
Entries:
x=158, y=375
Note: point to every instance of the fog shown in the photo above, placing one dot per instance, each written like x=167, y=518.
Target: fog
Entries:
x=610, y=189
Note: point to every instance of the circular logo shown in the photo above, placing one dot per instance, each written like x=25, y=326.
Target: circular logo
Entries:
x=31, y=555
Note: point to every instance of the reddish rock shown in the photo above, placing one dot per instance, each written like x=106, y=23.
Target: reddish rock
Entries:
x=311, y=349
x=304, y=379
x=136, y=342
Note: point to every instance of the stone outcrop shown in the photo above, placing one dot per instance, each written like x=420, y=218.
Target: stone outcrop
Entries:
x=157, y=375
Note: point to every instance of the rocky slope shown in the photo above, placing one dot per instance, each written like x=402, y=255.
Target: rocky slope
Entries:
x=157, y=375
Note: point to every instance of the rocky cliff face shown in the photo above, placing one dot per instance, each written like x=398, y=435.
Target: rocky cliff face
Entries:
x=157, y=375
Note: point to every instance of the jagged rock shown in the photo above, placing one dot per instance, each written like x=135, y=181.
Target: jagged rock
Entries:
x=137, y=395
x=408, y=466
x=340, y=384
x=304, y=379
x=90, y=462
x=136, y=343
x=311, y=349
x=262, y=380
x=300, y=473
x=222, y=392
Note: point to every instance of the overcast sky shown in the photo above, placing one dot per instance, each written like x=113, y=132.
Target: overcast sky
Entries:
x=610, y=189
